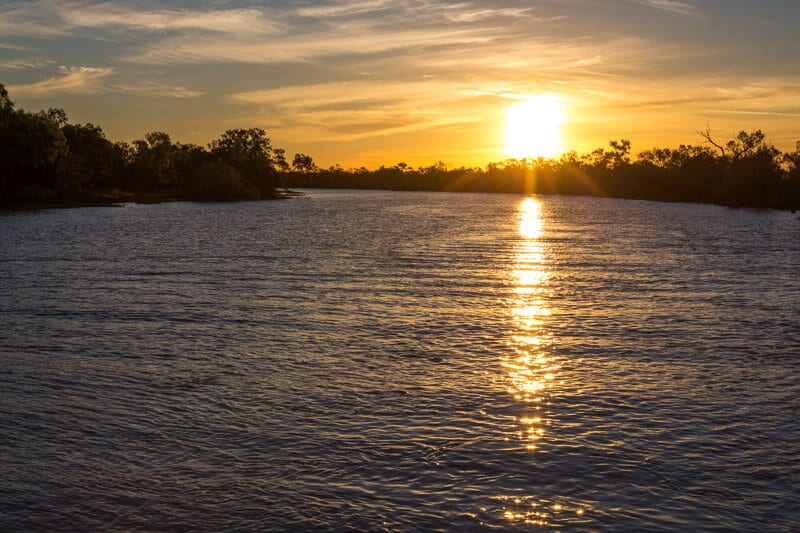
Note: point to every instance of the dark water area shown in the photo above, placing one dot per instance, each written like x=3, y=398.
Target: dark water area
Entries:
x=400, y=362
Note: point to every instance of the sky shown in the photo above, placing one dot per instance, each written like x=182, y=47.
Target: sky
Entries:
x=372, y=82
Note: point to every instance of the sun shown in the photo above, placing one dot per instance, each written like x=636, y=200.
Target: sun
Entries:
x=533, y=127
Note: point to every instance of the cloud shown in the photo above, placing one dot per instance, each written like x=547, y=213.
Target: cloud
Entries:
x=29, y=19
x=755, y=113
x=672, y=6
x=351, y=39
x=155, y=90
x=474, y=36
x=481, y=14
x=340, y=108
x=25, y=63
x=351, y=29
x=328, y=94
x=47, y=19
x=231, y=21
x=73, y=80
x=383, y=129
x=700, y=97
x=345, y=9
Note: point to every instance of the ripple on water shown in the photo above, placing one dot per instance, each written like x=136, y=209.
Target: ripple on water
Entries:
x=400, y=361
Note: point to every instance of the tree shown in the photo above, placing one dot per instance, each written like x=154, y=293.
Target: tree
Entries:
x=792, y=160
x=57, y=115
x=619, y=155
x=791, y=183
x=153, y=165
x=303, y=163
x=250, y=153
x=745, y=144
x=30, y=145
x=279, y=159
x=6, y=105
x=752, y=171
x=157, y=138
x=90, y=159
x=740, y=146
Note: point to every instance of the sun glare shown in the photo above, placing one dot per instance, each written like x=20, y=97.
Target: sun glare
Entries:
x=533, y=128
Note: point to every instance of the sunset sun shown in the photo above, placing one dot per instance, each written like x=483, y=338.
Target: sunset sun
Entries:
x=533, y=127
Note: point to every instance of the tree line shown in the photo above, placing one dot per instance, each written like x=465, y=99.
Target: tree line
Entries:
x=746, y=171
x=45, y=159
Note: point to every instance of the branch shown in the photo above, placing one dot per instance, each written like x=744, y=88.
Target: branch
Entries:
x=706, y=134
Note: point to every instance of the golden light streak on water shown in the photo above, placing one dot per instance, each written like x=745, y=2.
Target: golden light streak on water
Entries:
x=532, y=371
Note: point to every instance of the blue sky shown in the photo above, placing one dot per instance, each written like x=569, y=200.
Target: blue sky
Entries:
x=374, y=81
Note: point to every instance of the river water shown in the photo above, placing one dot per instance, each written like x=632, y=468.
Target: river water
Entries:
x=401, y=362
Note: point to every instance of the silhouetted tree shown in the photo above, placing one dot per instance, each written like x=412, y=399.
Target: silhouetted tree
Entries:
x=753, y=174
x=6, y=105
x=619, y=155
x=91, y=159
x=250, y=153
x=791, y=182
x=792, y=160
x=30, y=145
x=303, y=163
x=153, y=162
x=745, y=144
x=58, y=116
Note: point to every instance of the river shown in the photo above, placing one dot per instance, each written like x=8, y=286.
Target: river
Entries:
x=400, y=361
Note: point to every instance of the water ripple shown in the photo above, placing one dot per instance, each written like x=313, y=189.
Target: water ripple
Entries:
x=400, y=361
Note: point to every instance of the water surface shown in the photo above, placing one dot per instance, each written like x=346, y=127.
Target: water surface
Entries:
x=400, y=361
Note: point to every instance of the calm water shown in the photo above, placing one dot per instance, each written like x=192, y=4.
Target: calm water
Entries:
x=400, y=361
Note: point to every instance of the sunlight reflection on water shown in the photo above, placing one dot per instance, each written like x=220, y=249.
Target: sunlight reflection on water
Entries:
x=531, y=370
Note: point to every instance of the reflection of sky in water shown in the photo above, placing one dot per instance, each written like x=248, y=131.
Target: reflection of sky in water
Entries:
x=531, y=371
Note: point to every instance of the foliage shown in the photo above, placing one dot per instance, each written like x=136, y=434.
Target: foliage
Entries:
x=250, y=153
x=45, y=158
x=91, y=160
x=30, y=145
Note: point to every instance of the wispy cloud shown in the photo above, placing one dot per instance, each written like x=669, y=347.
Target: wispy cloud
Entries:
x=25, y=63
x=155, y=90
x=340, y=107
x=782, y=114
x=352, y=39
x=340, y=9
x=769, y=97
x=74, y=80
x=29, y=19
x=672, y=6
x=314, y=96
x=482, y=14
x=232, y=21
x=348, y=29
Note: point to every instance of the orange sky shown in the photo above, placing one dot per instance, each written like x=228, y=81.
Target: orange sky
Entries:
x=375, y=82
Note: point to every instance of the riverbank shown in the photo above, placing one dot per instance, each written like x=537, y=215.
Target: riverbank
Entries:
x=49, y=200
